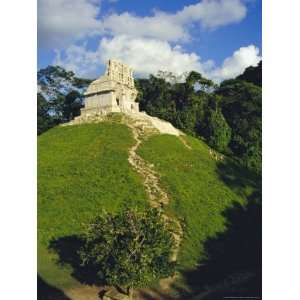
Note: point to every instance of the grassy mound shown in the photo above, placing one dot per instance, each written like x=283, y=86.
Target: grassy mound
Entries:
x=81, y=169
x=84, y=168
x=200, y=188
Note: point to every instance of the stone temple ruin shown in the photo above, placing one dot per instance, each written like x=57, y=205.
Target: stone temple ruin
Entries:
x=112, y=92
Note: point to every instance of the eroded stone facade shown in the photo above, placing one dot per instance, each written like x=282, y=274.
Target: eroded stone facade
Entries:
x=112, y=92
x=115, y=92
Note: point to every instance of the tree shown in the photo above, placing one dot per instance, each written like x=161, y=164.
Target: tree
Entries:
x=65, y=108
x=241, y=107
x=204, y=84
x=44, y=120
x=72, y=105
x=228, y=116
x=57, y=107
x=218, y=131
x=130, y=249
x=253, y=74
x=183, y=103
x=155, y=97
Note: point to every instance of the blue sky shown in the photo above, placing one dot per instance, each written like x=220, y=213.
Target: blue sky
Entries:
x=218, y=38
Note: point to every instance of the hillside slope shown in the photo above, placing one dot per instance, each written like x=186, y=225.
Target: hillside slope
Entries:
x=84, y=168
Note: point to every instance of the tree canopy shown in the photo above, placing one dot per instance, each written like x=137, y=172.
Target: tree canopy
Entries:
x=227, y=117
x=44, y=119
x=60, y=110
x=241, y=106
x=253, y=74
x=130, y=249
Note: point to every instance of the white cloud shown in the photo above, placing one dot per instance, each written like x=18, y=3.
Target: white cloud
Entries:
x=213, y=13
x=175, y=27
x=81, y=61
x=145, y=55
x=148, y=56
x=237, y=63
x=160, y=26
x=61, y=22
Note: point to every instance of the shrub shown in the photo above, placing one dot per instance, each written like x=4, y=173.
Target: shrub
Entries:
x=130, y=249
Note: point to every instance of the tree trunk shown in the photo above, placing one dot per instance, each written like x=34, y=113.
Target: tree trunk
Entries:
x=121, y=290
x=130, y=293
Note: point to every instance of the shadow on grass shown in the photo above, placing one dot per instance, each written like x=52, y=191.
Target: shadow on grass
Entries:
x=67, y=249
x=232, y=267
x=155, y=294
x=237, y=177
x=174, y=292
x=233, y=264
x=48, y=292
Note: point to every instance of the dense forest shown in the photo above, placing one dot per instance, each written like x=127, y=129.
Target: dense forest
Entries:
x=226, y=116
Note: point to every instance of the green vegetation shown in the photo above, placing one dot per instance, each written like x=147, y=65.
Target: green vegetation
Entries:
x=218, y=131
x=227, y=117
x=44, y=120
x=253, y=75
x=241, y=106
x=81, y=170
x=200, y=189
x=129, y=249
x=84, y=169
x=60, y=96
x=60, y=110
x=65, y=108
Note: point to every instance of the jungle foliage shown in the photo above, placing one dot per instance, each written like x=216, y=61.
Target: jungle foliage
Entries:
x=226, y=116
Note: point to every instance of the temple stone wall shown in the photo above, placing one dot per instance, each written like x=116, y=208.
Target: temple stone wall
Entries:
x=112, y=92
x=120, y=73
x=106, y=100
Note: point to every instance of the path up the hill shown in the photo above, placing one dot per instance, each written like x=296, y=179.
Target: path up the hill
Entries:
x=141, y=129
x=143, y=126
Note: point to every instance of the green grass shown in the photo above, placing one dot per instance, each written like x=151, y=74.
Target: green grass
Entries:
x=81, y=169
x=84, y=168
x=196, y=184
